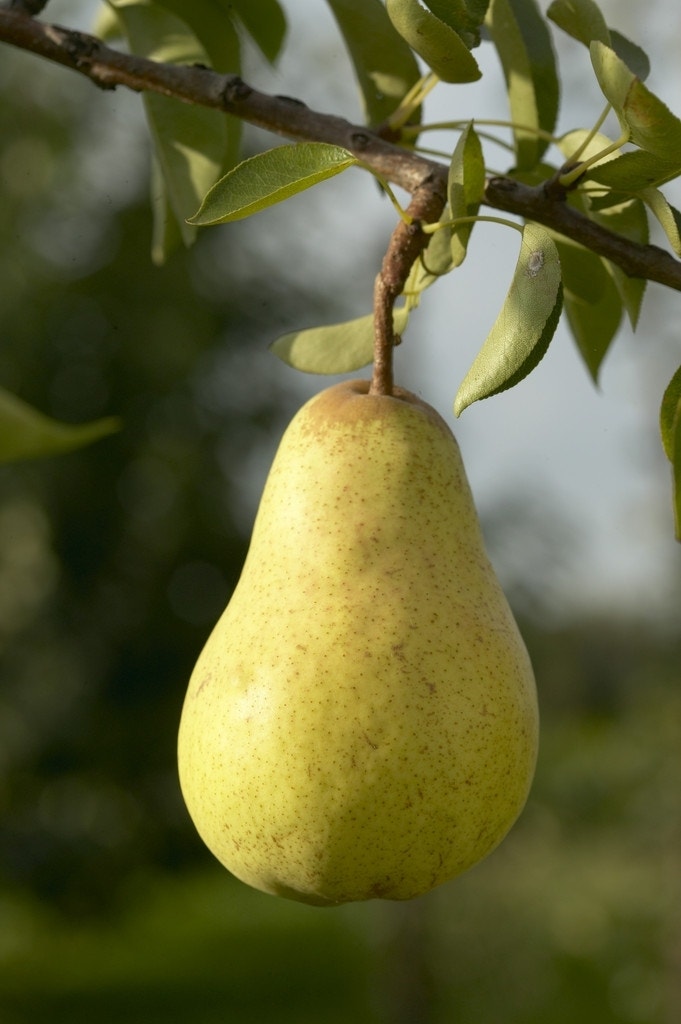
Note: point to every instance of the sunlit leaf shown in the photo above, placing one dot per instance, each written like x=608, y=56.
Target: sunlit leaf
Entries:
x=336, y=348
x=633, y=171
x=525, y=325
x=385, y=66
x=670, y=430
x=667, y=215
x=440, y=46
x=25, y=433
x=465, y=188
x=649, y=123
x=522, y=40
x=464, y=16
x=269, y=178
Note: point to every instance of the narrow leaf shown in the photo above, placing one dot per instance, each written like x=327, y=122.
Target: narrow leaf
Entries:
x=525, y=325
x=25, y=433
x=385, y=66
x=523, y=43
x=465, y=187
x=634, y=170
x=581, y=19
x=432, y=264
x=264, y=20
x=669, y=414
x=269, y=178
x=463, y=17
x=592, y=302
x=440, y=46
x=670, y=429
x=337, y=348
x=650, y=124
x=190, y=142
x=628, y=219
x=667, y=215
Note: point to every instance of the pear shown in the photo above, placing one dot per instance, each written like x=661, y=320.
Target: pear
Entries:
x=362, y=723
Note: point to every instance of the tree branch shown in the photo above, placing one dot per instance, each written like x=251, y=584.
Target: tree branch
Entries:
x=108, y=68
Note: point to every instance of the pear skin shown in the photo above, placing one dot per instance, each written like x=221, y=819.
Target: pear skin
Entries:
x=362, y=723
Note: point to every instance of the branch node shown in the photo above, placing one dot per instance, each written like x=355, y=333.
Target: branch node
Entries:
x=236, y=90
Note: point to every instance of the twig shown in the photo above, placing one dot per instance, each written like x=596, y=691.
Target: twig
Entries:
x=406, y=244
x=108, y=68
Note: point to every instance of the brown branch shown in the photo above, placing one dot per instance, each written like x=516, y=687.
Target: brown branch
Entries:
x=536, y=203
x=108, y=68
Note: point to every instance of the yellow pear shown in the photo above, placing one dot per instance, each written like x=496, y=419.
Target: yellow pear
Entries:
x=362, y=722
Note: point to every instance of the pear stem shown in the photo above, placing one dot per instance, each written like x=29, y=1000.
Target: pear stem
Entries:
x=406, y=244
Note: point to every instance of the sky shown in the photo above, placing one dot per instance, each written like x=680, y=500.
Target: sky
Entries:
x=584, y=464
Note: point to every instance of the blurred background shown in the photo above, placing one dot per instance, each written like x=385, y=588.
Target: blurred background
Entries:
x=115, y=562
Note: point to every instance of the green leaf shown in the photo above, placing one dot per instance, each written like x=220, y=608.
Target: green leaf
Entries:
x=628, y=219
x=646, y=119
x=465, y=188
x=385, y=66
x=265, y=22
x=26, y=433
x=670, y=430
x=592, y=302
x=633, y=171
x=440, y=46
x=670, y=410
x=631, y=53
x=432, y=264
x=667, y=215
x=464, y=16
x=523, y=43
x=337, y=348
x=190, y=142
x=269, y=178
x=581, y=19
x=525, y=325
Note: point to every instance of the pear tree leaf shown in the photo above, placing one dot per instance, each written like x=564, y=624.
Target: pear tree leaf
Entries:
x=525, y=325
x=592, y=302
x=523, y=43
x=581, y=19
x=667, y=215
x=434, y=263
x=670, y=410
x=464, y=16
x=335, y=348
x=26, y=433
x=440, y=46
x=264, y=20
x=189, y=142
x=465, y=188
x=649, y=123
x=584, y=21
x=670, y=430
x=631, y=53
x=384, y=65
x=269, y=178
x=634, y=170
x=628, y=219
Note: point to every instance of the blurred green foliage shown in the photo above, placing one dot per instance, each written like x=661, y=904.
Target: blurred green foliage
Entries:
x=114, y=563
